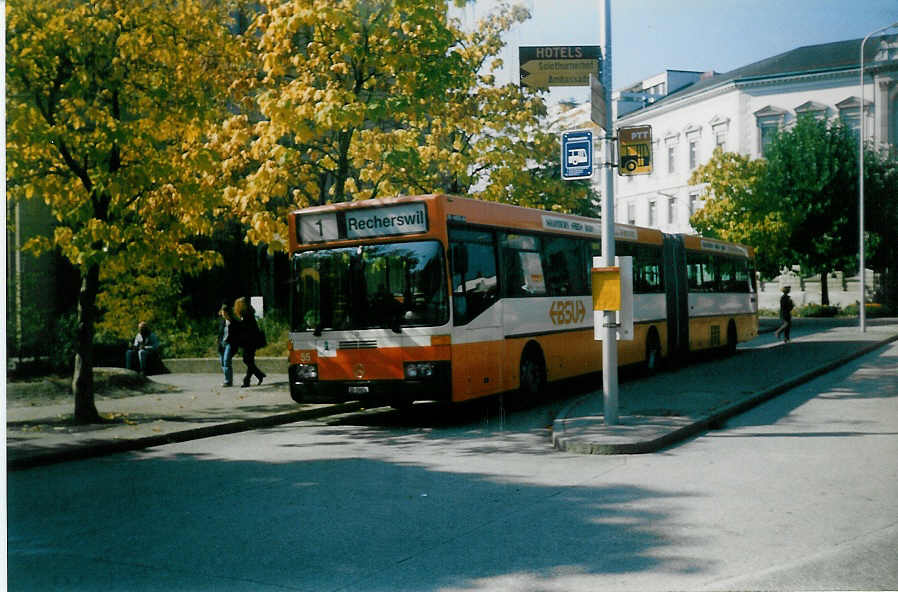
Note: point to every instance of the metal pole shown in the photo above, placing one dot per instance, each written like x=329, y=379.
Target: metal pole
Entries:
x=862, y=309
x=609, y=342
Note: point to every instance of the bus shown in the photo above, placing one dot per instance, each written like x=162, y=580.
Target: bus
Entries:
x=447, y=298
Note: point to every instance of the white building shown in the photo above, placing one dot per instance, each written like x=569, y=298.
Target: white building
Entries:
x=741, y=111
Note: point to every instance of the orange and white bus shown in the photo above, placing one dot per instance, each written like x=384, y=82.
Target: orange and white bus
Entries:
x=446, y=298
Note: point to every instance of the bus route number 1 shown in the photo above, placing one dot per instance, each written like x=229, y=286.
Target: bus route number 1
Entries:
x=567, y=312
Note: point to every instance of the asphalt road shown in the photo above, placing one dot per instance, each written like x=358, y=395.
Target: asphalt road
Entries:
x=800, y=493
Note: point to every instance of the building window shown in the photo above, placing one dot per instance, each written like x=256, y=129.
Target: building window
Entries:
x=720, y=140
x=720, y=127
x=850, y=113
x=693, y=154
x=631, y=213
x=693, y=203
x=671, y=139
x=768, y=133
x=672, y=210
x=770, y=120
x=653, y=213
x=811, y=109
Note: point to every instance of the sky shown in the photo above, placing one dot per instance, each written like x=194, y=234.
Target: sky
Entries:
x=650, y=36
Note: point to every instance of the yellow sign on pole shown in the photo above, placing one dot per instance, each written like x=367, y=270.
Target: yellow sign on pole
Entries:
x=606, y=288
x=634, y=148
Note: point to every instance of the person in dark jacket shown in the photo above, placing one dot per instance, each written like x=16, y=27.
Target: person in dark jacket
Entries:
x=786, y=306
x=250, y=338
x=143, y=353
x=227, y=346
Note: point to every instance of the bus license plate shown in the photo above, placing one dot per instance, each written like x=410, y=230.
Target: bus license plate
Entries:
x=358, y=390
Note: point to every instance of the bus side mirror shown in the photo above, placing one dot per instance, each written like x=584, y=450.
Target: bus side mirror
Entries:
x=459, y=259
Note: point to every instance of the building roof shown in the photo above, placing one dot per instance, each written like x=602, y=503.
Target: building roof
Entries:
x=839, y=55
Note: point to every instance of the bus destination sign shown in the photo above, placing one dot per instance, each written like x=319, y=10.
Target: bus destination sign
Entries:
x=402, y=219
x=367, y=223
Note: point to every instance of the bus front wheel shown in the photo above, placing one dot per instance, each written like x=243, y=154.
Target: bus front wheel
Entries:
x=533, y=372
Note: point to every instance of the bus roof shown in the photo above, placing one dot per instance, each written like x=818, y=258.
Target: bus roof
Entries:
x=457, y=209
x=713, y=245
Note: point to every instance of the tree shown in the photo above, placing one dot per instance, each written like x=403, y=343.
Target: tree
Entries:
x=812, y=174
x=881, y=220
x=735, y=210
x=356, y=99
x=106, y=123
x=796, y=206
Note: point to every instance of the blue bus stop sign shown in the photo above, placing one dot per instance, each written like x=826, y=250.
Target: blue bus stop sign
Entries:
x=576, y=155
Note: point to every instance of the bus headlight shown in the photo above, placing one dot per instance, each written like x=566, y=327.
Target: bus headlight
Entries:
x=306, y=371
x=419, y=369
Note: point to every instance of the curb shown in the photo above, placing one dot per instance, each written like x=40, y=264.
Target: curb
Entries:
x=714, y=420
x=105, y=448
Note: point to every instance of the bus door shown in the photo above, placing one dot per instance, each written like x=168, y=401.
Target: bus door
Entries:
x=677, y=291
x=476, y=314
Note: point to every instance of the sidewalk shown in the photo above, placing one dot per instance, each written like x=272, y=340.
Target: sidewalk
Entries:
x=672, y=406
x=183, y=406
x=654, y=412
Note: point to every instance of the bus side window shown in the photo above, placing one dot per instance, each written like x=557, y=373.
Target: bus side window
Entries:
x=703, y=271
x=474, y=278
x=522, y=266
x=564, y=267
x=647, y=270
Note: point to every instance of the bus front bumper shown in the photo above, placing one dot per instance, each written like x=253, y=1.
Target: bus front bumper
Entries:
x=437, y=387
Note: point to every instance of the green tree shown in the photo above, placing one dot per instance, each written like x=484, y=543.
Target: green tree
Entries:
x=812, y=174
x=735, y=210
x=106, y=114
x=881, y=220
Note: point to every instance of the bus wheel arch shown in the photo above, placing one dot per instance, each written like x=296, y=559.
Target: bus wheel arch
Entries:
x=532, y=370
x=653, y=351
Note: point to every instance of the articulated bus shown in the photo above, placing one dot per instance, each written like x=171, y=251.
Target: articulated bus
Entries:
x=445, y=298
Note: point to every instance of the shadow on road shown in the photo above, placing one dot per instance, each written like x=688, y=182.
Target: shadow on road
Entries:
x=194, y=522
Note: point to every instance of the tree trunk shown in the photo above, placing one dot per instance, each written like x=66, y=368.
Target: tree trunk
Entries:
x=824, y=288
x=83, y=378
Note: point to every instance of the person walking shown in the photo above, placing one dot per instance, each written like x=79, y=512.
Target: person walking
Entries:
x=227, y=345
x=786, y=306
x=251, y=338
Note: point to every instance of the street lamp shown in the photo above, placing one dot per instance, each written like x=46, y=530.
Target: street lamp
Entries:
x=862, y=309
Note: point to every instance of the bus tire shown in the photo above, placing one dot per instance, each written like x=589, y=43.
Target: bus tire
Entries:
x=732, y=337
x=653, y=360
x=532, y=372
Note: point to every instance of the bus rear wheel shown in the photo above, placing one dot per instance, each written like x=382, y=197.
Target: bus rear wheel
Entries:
x=533, y=372
x=732, y=338
x=652, y=353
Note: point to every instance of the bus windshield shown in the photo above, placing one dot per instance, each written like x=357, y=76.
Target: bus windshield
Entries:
x=370, y=286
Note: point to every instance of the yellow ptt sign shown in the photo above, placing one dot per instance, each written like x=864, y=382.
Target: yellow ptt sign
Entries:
x=634, y=149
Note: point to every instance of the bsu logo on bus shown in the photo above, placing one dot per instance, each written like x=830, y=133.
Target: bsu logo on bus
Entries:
x=567, y=312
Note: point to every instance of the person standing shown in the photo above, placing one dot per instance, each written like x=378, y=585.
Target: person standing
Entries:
x=250, y=338
x=786, y=306
x=227, y=346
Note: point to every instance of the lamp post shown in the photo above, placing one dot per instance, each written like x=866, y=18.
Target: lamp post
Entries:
x=862, y=309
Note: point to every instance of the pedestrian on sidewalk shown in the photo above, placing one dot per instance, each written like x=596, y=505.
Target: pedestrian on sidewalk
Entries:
x=251, y=338
x=227, y=345
x=143, y=354
x=786, y=306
